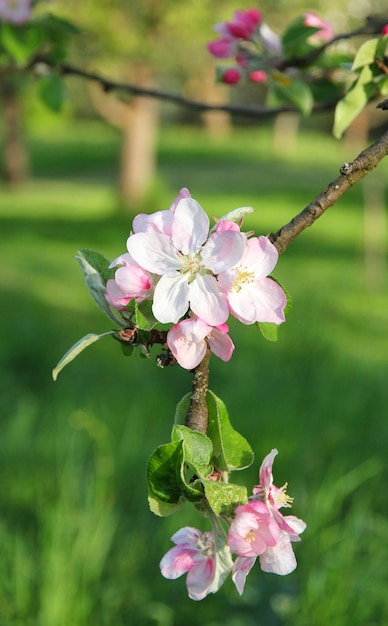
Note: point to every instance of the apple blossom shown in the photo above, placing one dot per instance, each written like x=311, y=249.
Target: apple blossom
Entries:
x=313, y=20
x=15, y=11
x=231, y=76
x=193, y=554
x=160, y=221
x=187, y=263
x=188, y=341
x=130, y=282
x=252, y=296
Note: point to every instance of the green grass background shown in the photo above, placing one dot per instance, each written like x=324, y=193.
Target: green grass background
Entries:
x=78, y=545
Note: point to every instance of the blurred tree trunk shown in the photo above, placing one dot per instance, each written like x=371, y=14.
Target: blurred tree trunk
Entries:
x=139, y=122
x=14, y=158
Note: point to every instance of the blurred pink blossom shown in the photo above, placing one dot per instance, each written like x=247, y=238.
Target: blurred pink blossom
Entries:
x=188, y=342
x=313, y=20
x=15, y=11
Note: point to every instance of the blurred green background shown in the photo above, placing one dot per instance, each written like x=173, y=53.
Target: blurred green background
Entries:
x=78, y=544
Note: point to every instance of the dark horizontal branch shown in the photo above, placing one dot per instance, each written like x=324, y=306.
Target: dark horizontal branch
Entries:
x=252, y=111
x=350, y=174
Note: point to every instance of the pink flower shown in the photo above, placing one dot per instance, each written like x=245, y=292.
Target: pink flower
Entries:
x=231, y=76
x=188, y=342
x=15, y=11
x=313, y=20
x=130, y=281
x=258, y=76
x=252, y=296
x=193, y=554
x=385, y=30
x=222, y=48
x=187, y=263
x=244, y=23
x=252, y=530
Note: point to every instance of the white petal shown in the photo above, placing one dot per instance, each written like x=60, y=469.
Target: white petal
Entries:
x=171, y=299
x=222, y=251
x=207, y=300
x=280, y=559
x=190, y=227
x=153, y=251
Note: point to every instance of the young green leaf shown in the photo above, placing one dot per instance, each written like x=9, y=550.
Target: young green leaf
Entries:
x=75, y=350
x=231, y=451
x=163, y=472
x=198, y=449
x=52, y=92
x=144, y=316
x=224, y=497
x=94, y=275
x=20, y=41
x=366, y=54
x=268, y=330
x=353, y=103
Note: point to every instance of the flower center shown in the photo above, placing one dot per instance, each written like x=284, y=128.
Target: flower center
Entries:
x=250, y=536
x=243, y=277
x=206, y=544
x=190, y=265
x=281, y=497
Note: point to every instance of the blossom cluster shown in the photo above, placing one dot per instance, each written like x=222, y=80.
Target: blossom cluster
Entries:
x=196, y=277
x=253, y=47
x=258, y=530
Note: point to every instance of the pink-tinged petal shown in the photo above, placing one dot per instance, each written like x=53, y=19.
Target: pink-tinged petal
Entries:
x=183, y=193
x=177, y=561
x=220, y=344
x=265, y=472
x=248, y=536
x=123, y=259
x=115, y=296
x=270, y=40
x=222, y=48
x=241, y=568
x=207, y=301
x=153, y=251
x=187, y=535
x=160, y=222
x=133, y=281
x=171, y=298
x=190, y=227
x=260, y=256
x=223, y=250
x=186, y=342
x=260, y=301
x=280, y=559
x=199, y=578
x=295, y=526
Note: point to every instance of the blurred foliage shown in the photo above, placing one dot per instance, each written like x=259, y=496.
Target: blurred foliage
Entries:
x=78, y=543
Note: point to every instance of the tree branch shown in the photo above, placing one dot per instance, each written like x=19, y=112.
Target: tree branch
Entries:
x=197, y=415
x=350, y=174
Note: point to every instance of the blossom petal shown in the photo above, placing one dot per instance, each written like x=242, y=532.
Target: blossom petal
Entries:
x=153, y=251
x=260, y=256
x=207, y=301
x=262, y=301
x=280, y=559
x=241, y=568
x=223, y=250
x=265, y=472
x=177, y=561
x=220, y=344
x=186, y=342
x=171, y=298
x=160, y=222
x=199, y=579
x=190, y=226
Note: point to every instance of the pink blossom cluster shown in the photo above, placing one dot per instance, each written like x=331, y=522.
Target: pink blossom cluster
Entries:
x=258, y=530
x=253, y=46
x=197, y=277
x=15, y=11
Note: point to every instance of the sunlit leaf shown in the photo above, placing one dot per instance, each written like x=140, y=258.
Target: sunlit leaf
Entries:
x=75, y=350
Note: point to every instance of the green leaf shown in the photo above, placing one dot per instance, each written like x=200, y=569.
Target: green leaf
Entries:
x=99, y=262
x=366, y=54
x=94, y=275
x=224, y=497
x=294, y=39
x=268, y=330
x=52, y=92
x=293, y=91
x=353, y=102
x=230, y=449
x=181, y=409
x=164, y=471
x=198, y=449
x=163, y=509
x=20, y=41
x=383, y=86
x=75, y=350
x=144, y=316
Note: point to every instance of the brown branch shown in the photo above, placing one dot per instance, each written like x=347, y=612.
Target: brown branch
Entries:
x=197, y=416
x=251, y=111
x=350, y=174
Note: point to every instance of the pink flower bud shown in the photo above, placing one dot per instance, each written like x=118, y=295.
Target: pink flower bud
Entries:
x=385, y=30
x=231, y=76
x=259, y=76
